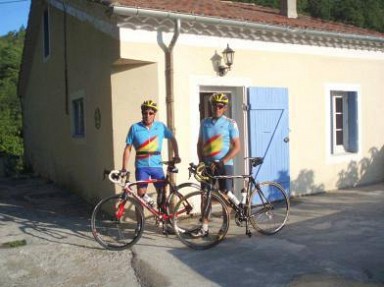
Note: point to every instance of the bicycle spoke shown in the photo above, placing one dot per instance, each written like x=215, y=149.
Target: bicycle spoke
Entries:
x=269, y=207
x=189, y=223
x=117, y=224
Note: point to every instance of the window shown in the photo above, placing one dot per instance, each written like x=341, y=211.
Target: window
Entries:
x=46, y=36
x=344, y=122
x=78, y=129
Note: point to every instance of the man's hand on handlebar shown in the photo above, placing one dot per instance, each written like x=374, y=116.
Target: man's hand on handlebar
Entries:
x=216, y=166
x=123, y=172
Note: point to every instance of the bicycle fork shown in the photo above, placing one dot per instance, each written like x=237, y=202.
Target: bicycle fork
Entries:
x=120, y=207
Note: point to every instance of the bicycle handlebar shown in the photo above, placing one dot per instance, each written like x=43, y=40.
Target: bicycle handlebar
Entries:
x=118, y=177
x=202, y=173
x=121, y=177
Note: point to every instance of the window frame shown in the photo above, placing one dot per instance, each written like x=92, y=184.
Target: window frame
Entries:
x=46, y=35
x=336, y=128
x=345, y=152
x=78, y=119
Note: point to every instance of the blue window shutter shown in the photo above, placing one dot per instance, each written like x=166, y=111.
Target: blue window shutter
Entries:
x=353, y=122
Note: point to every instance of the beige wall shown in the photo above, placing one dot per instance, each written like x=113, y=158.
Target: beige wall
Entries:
x=306, y=72
x=50, y=147
x=116, y=78
x=306, y=77
x=131, y=85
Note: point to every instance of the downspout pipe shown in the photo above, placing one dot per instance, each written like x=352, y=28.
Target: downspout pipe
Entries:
x=128, y=11
x=169, y=80
x=170, y=101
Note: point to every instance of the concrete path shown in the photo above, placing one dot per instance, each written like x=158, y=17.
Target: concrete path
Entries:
x=333, y=239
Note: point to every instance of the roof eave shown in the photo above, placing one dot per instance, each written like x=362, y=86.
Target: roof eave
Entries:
x=135, y=11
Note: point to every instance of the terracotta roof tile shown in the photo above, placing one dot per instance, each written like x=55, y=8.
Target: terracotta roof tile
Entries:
x=242, y=12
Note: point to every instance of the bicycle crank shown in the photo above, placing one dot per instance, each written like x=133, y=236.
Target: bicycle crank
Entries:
x=239, y=219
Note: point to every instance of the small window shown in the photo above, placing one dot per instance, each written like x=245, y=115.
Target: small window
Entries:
x=46, y=35
x=78, y=118
x=344, y=122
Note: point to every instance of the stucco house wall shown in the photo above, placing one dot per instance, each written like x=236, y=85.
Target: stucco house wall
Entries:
x=308, y=73
x=114, y=69
x=50, y=148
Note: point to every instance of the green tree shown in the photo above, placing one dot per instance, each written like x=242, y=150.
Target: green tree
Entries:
x=11, y=143
x=320, y=8
x=373, y=12
x=361, y=13
x=350, y=12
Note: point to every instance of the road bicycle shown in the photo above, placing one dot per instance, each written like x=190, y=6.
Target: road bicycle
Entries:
x=266, y=208
x=118, y=221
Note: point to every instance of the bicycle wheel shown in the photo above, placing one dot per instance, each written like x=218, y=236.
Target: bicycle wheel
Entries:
x=117, y=222
x=268, y=207
x=188, y=220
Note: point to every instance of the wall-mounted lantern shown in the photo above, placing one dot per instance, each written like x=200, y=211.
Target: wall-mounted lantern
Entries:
x=228, y=55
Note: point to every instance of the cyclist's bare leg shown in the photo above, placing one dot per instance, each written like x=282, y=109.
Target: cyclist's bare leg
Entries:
x=205, y=210
x=161, y=205
x=141, y=191
x=161, y=198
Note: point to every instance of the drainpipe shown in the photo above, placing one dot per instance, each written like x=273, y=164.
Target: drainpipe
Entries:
x=66, y=84
x=169, y=82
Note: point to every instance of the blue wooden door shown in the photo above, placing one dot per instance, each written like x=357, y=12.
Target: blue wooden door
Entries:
x=269, y=133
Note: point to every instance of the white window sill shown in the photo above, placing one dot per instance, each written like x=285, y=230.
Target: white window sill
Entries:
x=342, y=157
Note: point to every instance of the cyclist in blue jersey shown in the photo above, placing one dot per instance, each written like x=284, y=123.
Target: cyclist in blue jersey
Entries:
x=217, y=145
x=147, y=137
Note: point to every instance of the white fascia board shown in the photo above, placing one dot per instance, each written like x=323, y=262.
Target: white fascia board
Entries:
x=143, y=36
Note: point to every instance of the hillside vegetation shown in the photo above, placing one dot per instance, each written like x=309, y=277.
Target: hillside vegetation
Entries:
x=367, y=14
x=11, y=143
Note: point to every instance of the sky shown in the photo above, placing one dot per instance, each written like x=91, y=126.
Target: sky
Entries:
x=13, y=14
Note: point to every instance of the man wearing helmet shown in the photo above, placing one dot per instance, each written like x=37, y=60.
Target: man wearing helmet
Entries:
x=217, y=146
x=147, y=137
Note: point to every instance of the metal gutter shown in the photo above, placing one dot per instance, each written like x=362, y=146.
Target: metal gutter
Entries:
x=124, y=11
x=169, y=82
x=128, y=11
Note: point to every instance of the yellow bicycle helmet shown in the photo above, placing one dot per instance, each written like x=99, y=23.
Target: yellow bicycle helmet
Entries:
x=149, y=104
x=219, y=98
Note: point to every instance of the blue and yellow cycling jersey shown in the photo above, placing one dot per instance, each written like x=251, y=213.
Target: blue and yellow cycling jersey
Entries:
x=216, y=136
x=148, y=142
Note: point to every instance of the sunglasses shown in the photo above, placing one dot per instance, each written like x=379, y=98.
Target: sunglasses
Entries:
x=148, y=113
x=219, y=106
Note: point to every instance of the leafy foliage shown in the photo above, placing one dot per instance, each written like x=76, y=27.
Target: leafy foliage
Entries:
x=11, y=143
x=361, y=13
